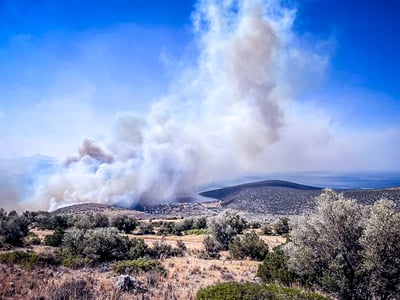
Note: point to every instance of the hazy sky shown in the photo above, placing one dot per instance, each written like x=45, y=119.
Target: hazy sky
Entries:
x=68, y=68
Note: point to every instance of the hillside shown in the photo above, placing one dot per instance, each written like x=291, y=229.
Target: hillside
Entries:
x=272, y=197
x=286, y=198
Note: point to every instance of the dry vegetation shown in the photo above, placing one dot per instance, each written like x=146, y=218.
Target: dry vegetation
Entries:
x=186, y=275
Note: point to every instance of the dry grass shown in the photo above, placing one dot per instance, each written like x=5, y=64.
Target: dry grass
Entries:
x=186, y=275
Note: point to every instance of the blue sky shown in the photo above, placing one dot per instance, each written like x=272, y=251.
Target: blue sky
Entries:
x=68, y=67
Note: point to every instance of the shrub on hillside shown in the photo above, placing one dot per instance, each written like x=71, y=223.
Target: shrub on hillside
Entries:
x=47, y=221
x=211, y=248
x=253, y=291
x=226, y=226
x=146, y=228
x=28, y=260
x=138, y=266
x=137, y=249
x=274, y=268
x=124, y=223
x=347, y=249
x=90, y=221
x=281, y=226
x=13, y=228
x=267, y=229
x=102, y=244
x=54, y=239
x=250, y=245
x=105, y=244
x=163, y=250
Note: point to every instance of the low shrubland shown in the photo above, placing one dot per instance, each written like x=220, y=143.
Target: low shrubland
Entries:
x=135, y=267
x=253, y=291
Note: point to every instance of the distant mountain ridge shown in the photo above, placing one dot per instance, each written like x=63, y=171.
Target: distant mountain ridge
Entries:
x=279, y=197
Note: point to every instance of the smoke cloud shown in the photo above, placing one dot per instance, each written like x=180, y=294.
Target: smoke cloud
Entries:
x=226, y=116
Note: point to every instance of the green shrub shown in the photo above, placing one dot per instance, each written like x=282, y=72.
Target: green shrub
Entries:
x=76, y=262
x=55, y=239
x=124, y=223
x=282, y=226
x=74, y=242
x=163, y=250
x=105, y=244
x=267, y=229
x=137, y=249
x=200, y=223
x=146, y=228
x=90, y=221
x=13, y=228
x=211, y=248
x=197, y=231
x=226, y=226
x=28, y=260
x=32, y=239
x=253, y=291
x=169, y=228
x=254, y=225
x=275, y=268
x=138, y=266
x=47, y=221
x=250, y=245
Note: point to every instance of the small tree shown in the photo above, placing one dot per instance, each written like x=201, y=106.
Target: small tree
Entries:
x=13, y=228
x=250, y=245
x=282, y=226
x=275, y=268
x=381, y=244
x=124, y=223
x=54, y=239
x=211, y=248
x=325, y=245
x=226, y=226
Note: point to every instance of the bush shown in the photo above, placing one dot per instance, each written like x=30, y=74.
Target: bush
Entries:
x=138, y=266
x=28, y=260
x=200, y=223
x=282, y=226
x=224, y=227
x=105, y=244
x=91, y=221
x=146, y=228
x=71, y=290
x=47, y=221
x=32, y=239
x=55, y=239
x=13, y=228
x=250, y=245
x=163, y=250
x=75, y=262
x=197, y=231
x=274, y=268
x=167, y=228
x=253, y=291
x=137, y=249
x=211, y=248
x=74, y=242
x=254, y=225
x=124, y=223
x=267, y=229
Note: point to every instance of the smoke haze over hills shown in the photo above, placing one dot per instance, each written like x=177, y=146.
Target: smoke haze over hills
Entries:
x=234, y=112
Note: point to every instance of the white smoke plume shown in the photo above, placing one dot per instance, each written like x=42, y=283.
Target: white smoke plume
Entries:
x=222, y=119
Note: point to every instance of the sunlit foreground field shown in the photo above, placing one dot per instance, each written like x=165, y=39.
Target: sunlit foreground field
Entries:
x=186, y=274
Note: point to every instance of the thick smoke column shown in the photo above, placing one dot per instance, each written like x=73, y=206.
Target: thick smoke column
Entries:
x=219, y=122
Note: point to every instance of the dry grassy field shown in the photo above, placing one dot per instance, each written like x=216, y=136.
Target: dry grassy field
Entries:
x=186, y=275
